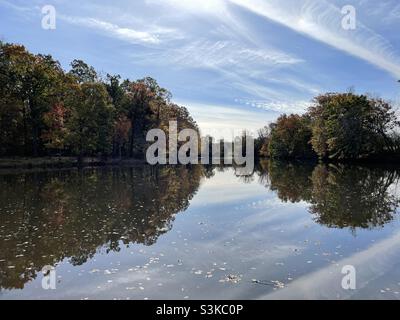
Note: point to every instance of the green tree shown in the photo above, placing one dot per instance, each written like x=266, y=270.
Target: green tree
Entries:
x=31, y=82
x=145, y=103
x=290, y=137
x=82, y=72
x=90, y=124
x=351, y=126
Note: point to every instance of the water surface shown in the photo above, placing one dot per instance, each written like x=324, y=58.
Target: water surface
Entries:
x=201, y=232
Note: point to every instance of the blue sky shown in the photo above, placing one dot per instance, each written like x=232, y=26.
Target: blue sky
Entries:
x=234, y=63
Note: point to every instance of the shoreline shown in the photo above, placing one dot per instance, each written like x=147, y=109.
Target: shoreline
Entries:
x=27, y=163
x=16, y=163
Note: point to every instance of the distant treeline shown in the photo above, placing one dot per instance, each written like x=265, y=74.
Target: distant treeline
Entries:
x=45, y=110
x=338, y=126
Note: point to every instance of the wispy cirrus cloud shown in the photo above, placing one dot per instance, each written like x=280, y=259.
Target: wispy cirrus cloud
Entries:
x=277, y=105
x=220, y=54
x=152, y=35
x=257, y=55
x=321, y=20
x=240, y=67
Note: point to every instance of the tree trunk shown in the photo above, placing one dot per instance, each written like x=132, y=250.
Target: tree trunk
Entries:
x=131, y=140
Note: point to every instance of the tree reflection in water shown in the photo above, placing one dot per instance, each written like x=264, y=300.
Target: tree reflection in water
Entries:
x=48, y=217
x=340, y=196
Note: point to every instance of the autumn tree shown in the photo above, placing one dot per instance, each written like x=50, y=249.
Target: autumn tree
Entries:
x=91, y=122
x=56, y=132
x=351, y=126
x=31, y=82
x=261, y=143
x=290, y=137
x=145, y=101
x=46, y=110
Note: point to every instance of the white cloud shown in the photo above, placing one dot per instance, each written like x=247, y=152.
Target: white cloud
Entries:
x=321, y=20
x=229, y=121
x=220, y=54
x=280, y=106
x=194, y=6
x=153, y=35
x=244, y=68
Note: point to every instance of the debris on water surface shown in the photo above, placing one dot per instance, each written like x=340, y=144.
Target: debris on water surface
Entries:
x=232, y=278
x=278, y=284
x=275, y=283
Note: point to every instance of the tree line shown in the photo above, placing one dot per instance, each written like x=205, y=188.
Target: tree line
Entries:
x=337, y=126
x=45, y=110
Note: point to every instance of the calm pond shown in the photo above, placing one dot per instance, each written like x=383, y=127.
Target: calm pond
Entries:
x=200, y=232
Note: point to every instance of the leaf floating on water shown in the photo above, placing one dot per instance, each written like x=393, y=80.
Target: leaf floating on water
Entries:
x=94, y=271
